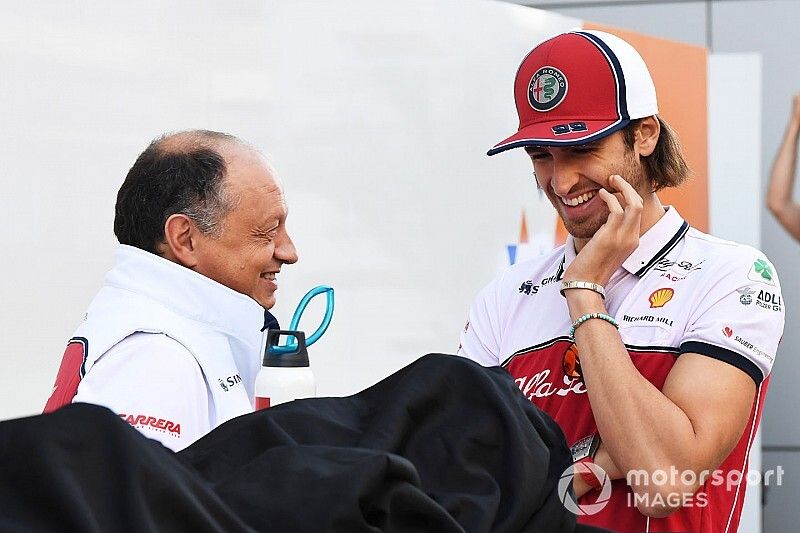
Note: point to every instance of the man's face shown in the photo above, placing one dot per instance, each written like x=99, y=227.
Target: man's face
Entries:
x=571, y=176
x=253, y=244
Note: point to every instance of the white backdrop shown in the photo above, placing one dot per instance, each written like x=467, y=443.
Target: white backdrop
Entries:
x=376, y=114
x=735, y=187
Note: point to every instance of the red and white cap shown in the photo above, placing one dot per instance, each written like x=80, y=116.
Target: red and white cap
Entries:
x=579, y=87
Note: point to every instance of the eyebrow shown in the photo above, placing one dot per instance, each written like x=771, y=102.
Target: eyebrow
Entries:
x=593, y=144
x=273, y=220
x=268, y=224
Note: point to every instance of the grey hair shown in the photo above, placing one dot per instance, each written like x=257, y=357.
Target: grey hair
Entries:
x=209, y=213
x=181, y=172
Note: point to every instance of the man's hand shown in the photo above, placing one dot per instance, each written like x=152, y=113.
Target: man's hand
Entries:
x=604, y=461
x=615, y=240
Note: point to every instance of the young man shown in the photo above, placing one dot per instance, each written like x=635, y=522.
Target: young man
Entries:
x=649, y=342
x=172, y=342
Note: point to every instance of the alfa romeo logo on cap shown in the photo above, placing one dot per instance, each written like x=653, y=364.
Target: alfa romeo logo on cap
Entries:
x=547, y=89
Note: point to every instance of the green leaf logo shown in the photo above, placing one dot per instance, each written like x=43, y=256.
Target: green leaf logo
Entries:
x=763, y=268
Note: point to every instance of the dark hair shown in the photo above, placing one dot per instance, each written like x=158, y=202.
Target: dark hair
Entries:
x=666, y=166
x=177, y=173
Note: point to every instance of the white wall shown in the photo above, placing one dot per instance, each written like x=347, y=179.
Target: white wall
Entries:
x=376, y=114
x=735, y=188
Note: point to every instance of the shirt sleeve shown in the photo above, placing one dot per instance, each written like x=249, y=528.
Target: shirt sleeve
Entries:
x=740, y=318
x=480, y=338
x=155, y=384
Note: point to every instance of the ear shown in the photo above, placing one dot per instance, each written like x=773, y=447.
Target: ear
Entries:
x=179, y=234
x=647, y=133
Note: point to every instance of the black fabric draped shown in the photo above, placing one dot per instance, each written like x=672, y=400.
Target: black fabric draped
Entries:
x=442, y=445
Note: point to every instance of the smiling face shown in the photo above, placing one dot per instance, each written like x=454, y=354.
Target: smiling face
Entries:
x=571, y=176
x=253, y=244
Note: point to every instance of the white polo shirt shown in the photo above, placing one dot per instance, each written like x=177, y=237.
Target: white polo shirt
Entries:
x=680, y=291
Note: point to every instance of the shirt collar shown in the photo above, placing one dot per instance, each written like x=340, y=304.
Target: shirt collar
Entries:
x=186, y=292
x=656, y=243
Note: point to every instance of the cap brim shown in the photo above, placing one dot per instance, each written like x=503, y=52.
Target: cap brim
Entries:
x=541, y=134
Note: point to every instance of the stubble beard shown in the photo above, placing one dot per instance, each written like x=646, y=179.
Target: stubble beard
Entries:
x=631, y=171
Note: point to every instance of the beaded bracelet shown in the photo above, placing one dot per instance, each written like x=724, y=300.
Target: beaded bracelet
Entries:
x=589, y=316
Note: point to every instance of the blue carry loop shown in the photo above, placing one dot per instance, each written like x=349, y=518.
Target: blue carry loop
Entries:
x=291, y=344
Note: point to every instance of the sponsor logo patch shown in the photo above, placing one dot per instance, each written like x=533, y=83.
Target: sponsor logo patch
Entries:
x=764, y=299
x=547, y=89
x=752, y=347
x=539, y=385
x=648, y=318
x=769, y=300
x=527, y=287
x=745, y=295
x=160, y=424
x=762, y=271
x=660, y=297
x=229, y=382
x=677, y=270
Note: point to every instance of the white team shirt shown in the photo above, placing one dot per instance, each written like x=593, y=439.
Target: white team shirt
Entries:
x=156, y=370
x=681, y=289
x=173, y=353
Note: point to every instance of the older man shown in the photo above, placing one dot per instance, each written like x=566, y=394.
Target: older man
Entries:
x=172, y=341
x=648, y=341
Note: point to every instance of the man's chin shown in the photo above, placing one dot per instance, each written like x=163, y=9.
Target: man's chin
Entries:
x=267, y=302
x=584, y=229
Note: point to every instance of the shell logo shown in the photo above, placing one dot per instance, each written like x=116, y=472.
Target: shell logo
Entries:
x=660, y=297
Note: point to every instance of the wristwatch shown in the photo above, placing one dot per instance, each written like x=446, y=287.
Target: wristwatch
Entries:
x=584, y=451
x=586, y=447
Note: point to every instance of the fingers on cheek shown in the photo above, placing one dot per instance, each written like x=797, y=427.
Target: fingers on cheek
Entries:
x=611, y=201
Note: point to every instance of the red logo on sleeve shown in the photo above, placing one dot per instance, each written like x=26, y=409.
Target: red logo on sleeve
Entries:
x=69, y=374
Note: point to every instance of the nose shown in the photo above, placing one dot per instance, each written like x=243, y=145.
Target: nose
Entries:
x=565, y=175
x=285, y=251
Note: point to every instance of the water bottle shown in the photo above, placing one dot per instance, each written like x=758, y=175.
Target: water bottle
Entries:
x=285, y=375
